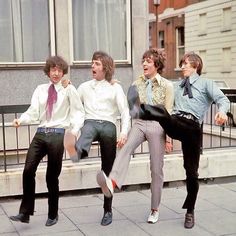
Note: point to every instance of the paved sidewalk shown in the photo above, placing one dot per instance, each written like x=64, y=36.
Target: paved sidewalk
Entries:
x=81, y=214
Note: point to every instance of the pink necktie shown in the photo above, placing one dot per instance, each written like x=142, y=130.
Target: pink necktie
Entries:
x=52, y=98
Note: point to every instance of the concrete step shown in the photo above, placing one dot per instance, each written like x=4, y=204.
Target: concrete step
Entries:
x=76, y=176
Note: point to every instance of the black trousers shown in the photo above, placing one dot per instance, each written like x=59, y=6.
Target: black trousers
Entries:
x=189, y=133
x=50, y=144
x=105, y=133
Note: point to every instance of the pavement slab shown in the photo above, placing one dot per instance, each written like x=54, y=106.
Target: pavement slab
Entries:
x=81, y=214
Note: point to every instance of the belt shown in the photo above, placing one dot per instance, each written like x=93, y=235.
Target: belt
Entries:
x=100, y=121
x=50, y=130
x=97, y=121
x=188, y=116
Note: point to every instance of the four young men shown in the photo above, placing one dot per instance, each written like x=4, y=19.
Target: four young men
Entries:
x=96, y=105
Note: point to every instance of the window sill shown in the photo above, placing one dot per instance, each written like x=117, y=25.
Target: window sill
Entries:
x=226, y=71
x=225, y=30
x=22, y=65
x=202, y=34
x=87, y=64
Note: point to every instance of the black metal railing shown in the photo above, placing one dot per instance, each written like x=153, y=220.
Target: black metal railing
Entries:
x=225, y=135
x=6, y=114
x=14, y=142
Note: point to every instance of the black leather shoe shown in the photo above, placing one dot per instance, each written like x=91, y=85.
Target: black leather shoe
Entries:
x=150, y=112
x=133, y=102
x=189, y=221
x=51, y=222
x=21, y=217
x=107, y=218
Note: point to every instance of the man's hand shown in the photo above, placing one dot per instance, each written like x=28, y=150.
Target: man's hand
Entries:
x=65, y=82
x=168, y=147
x=121, y=140
x=220, y=118
x=113, y=81
x=16, y=123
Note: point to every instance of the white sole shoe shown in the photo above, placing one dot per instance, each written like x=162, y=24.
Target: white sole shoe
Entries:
x=153, y=217
x=105, y=184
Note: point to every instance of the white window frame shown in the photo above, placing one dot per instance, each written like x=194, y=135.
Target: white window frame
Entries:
x=128, y=39
x=52, y=42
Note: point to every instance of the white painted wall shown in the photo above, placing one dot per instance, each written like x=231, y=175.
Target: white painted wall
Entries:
x=216, y=37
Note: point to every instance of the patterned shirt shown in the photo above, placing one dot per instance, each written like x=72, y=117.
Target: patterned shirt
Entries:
x=162, y=91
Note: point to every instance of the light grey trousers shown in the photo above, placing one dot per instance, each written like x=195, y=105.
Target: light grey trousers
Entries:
x=141, y=131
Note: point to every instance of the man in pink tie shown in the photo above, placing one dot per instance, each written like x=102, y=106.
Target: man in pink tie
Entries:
x=55, y=108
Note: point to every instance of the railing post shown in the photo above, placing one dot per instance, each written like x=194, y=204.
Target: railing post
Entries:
x=201, y=143
x=4, y=143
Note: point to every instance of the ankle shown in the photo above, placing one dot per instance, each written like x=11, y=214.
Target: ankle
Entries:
x=190, y=211
x=113, y=183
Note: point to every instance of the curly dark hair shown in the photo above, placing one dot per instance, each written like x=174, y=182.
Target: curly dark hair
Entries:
x=158, y=56
x=107, y=63
x=54, y=61
x=194, y=59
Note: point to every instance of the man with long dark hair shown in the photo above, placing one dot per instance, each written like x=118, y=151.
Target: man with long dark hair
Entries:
x=56, y=109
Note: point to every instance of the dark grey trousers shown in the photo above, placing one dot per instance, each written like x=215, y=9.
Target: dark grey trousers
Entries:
x=105, y=133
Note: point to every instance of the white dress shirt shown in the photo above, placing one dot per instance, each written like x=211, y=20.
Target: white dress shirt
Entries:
x=68, y=111
x=105, y=101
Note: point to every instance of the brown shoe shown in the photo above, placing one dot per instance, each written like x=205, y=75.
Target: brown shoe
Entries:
x=189, y=220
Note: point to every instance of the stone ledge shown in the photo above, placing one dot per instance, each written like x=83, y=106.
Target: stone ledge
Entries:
x=82, y=175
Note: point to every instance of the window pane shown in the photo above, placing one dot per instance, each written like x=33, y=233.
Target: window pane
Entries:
x=161, y=42
x=202, y=24
x=24, y=30
x=227, y=19
x=99, y=25
x=180, y=47
x=181, y=36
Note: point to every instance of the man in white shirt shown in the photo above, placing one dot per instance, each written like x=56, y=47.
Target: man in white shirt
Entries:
x=103, y=101
x=56, y=108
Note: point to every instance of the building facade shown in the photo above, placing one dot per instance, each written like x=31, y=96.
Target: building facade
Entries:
x=210, y=30
x=31, y=30
x=207, y=27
